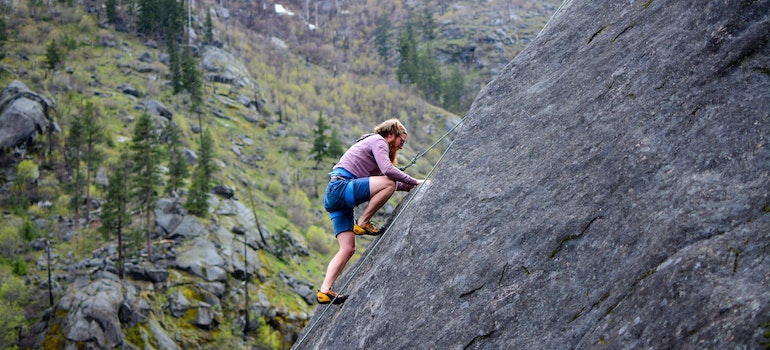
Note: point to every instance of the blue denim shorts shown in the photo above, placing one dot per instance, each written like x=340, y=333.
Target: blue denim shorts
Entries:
x=339, y=207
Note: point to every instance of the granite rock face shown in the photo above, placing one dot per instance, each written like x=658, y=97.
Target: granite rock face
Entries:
x=608, y=190
x=24, y=114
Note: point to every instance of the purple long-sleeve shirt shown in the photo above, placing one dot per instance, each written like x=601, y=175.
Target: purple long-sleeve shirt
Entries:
x=370, y=157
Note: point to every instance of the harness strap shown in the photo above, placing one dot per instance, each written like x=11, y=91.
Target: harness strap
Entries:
x=342, y=172
x=350, y=198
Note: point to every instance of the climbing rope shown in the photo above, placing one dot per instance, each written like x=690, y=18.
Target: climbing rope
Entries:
x=552, y=16
x=369, y=251
x=431, y=146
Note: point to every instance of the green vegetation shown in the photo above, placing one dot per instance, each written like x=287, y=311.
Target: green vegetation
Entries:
x=12, y=299
x=53, y=57
x=325, y=146
x=3, y=36
x=197, y=199
x=116, y=217
x=145, y=170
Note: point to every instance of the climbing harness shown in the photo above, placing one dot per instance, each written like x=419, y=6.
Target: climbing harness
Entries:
x=369, y=251
x=431, y=146
x=343, y=174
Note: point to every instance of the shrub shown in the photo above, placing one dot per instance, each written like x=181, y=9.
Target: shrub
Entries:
x=299, y=207
x=9, y=236
x=29, y=231
x=27, y=34
x=318, y=239
x=26, y=173
x=19, y=267
x=12, y=289
x=274, y=189
x=86, y=24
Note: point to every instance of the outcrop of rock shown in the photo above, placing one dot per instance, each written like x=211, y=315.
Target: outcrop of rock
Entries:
x=608, y=190
x=23, y=115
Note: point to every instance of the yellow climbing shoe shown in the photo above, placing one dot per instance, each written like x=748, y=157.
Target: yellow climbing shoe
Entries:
x=330, y=297
x=367, y=229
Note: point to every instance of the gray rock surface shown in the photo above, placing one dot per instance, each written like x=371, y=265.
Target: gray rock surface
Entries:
x=202, y=260
x=156, y=107
x=92, y=314
x=178, y=304
x=222, y=67
x=23, y=115
x=608, y=190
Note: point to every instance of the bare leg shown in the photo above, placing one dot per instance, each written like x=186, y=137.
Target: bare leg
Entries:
x=347, y=242
x=381, y=188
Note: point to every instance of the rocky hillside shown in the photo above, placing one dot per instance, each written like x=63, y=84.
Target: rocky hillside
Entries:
x=608, y=190
x=244, y=275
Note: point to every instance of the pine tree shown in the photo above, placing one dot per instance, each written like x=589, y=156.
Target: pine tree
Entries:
x=3, y=36
x=208, y=152
x=192, y=80
x=320, y=143
x=336, y=148
x=175, y=66
x=197, y=196
x=53, y=57
x=209, y=25
x=452, y=90
x=146, y=179
x=427, y=23
x=112, y=10
x=406, y=71
x=428, y=74
x=200, y=187
x=178, y=169
x=176, y=17
x=73, y=157
x=161, y=18
x=382, y=36
x=92, y=137
x=148, y=15
x=116, y=217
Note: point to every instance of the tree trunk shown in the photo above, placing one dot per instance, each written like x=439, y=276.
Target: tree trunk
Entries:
x=50, y=282
x=121, y=264
x=149, y=226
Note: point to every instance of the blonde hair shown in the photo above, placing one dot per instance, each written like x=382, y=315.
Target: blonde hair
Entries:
x=391, y=127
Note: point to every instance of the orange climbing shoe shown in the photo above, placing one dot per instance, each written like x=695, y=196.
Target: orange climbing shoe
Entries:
x=367, y=229
x=330, y=297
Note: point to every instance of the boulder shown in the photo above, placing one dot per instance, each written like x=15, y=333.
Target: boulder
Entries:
x=189, y=227
x=148, y=274
x=23, y=115
x=155, y=107
x=203, y=260
x=232, y=251
x=92, y=314
x=302, y=288
x=222, y=67
x=146, y=57
x=205, y=316
x=224, y=191
x=178, y=304
x=610, y=189
x=129, y=89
